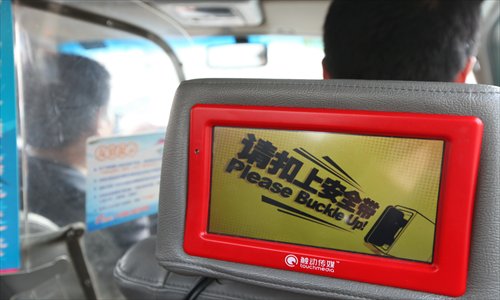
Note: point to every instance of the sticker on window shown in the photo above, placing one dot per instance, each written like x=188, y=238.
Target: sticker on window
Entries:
x=123, y=179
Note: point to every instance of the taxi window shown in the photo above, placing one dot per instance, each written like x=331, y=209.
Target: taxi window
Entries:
x=287, y=56
x=133, y=95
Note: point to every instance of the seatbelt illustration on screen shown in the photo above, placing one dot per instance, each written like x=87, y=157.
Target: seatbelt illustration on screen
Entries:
x=357, y=193
x=401, y=232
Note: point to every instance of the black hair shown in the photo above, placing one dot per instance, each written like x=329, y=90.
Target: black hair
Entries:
x=416, y=40
x=63, y=99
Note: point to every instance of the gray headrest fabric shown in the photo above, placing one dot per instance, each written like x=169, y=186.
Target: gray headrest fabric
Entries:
x=139, y=276
x=392, y=96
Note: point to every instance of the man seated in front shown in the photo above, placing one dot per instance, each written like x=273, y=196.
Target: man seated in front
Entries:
x=413, y=40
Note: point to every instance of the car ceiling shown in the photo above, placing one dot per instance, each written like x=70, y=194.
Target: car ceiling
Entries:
x=303, y=17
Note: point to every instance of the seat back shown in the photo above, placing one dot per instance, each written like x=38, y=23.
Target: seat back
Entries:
x=386, y=96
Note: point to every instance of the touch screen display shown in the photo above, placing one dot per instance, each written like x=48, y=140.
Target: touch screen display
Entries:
x=357, y=193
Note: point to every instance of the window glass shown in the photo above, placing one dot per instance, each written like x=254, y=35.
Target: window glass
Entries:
x=80, y=85
x=494, y=52
x=288, y=56
x=89, y=98
x=143, y=81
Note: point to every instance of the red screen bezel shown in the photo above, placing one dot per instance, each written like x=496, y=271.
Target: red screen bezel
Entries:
x=446, y=275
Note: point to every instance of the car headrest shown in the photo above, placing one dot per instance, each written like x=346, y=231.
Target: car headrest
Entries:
x=385, y=98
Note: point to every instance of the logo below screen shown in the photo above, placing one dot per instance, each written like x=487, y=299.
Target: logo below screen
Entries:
x=291, y=260
x=311, y=263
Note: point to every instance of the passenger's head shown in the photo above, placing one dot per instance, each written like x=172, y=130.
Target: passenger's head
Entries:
x=415, y=40
x=65, y=101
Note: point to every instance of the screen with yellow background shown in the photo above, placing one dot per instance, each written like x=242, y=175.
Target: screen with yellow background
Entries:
x=365, y=194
